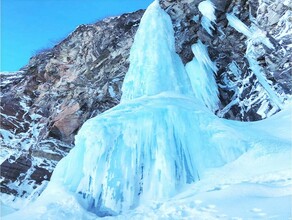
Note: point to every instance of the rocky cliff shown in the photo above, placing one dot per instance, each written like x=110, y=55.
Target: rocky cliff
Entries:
x=45, y=103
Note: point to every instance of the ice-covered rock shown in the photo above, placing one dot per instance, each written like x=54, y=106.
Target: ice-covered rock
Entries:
x=256, y=37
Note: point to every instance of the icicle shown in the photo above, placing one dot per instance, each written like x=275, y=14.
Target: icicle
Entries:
x=238, y=25
x=201, y=53
x=255, y=35
x=201, y=72
x=259, y=72
x=207, y=9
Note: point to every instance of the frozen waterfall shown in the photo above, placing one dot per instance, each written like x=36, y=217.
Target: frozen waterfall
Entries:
x=159, y=138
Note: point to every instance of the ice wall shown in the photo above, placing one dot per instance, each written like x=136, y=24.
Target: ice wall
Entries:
x=201, y=72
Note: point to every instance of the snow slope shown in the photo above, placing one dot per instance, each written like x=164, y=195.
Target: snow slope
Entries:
x=257, y=185
x=161, y=153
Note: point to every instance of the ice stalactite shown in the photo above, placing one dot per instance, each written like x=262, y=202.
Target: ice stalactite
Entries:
x=207, y=8
x=201, y=72
x=238, y=25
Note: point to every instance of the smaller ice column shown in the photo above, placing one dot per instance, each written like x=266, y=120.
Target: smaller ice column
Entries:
x=201, y=72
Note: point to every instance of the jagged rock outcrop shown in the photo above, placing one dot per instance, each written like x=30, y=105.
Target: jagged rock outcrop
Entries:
x=241, y=94
x=46, y=102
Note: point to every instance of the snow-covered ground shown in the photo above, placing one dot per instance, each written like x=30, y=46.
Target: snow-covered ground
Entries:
x=257, y=185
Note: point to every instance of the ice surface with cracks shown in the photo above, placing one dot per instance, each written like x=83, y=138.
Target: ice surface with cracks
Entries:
x=132, y=158
x=201, y=72
x=207, y=9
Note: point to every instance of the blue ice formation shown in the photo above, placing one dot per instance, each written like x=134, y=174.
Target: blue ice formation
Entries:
x=201, y=72
x=157, y=140
x=238, y=25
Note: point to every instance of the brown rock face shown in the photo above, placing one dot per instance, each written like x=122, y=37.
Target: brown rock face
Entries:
x=67, y=122
x=44, y=105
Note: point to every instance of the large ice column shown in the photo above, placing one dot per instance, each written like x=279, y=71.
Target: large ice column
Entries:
x=154, y=65
x=201, y=72
x=128, y=154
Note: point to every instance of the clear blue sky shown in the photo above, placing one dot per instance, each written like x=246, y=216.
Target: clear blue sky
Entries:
x=30, y=25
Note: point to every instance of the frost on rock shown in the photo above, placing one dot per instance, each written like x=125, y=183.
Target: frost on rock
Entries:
x=207, y=9
x=257, y=38
x=201, y=72
x=252, y=53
